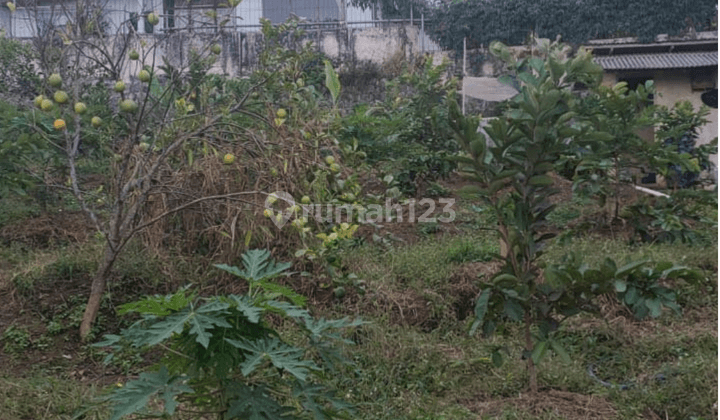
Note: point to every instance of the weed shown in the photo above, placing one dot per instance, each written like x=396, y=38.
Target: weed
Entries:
x=46, y=397
x=436, y=190
x=17, y=340
x=470, y=250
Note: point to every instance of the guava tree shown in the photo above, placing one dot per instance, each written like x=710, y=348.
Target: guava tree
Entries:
x=512, y=169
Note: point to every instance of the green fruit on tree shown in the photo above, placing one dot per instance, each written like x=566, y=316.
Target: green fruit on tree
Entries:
x=339, y=292
x=329, y=160
x=128, y=105
x=61, y=97
x=119, y=86
x=38, y=101
x=80, y=107
x=55, y=80
x=273, y=172
x=300, y=82
x=134, y=55
x=46, y=105
x=335, y=168
x=216, y=49
x=144, y=76
x=153, y=19
x=96, y=121
x=305, y=199
x=143, y=146
x=118, y=158
x=281, y=113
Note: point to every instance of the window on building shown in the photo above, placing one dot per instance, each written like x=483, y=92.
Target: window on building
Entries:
x=279, y=11
x=703, y=78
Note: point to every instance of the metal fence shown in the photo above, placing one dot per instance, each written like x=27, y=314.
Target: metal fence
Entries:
x=204, y=17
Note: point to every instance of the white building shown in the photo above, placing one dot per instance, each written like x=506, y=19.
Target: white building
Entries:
x=33, y=17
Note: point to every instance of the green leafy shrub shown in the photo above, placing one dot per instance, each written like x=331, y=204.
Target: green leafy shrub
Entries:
x=18, y=75
x=223, y=354
x=409, y=131
x=677, y=157
x=672, y=219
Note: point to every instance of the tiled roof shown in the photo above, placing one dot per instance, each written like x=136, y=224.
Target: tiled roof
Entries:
x=677, y=60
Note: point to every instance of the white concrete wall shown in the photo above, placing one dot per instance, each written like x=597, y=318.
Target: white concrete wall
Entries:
x=24, y=22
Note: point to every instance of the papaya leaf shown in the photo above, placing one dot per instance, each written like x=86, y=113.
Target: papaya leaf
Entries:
x=281, y=355
x=135, y=394
x=245, y=305
x=254, y=403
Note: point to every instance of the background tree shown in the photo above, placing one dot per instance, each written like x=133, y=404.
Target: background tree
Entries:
x=483, y=21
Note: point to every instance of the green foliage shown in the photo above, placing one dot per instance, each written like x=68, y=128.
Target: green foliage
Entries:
x=678, y=218
x=408, y=133
x=17, y=340
x=606, y=156
x=23, y=152
x=675, y=154
x=642, y=290
x=18, y=75
x=638, y=285
x=332, y=82
x=512, y=170
x=223, y=355
x=483, y=22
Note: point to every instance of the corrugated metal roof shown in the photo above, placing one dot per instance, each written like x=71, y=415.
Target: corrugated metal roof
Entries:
x=678, y=60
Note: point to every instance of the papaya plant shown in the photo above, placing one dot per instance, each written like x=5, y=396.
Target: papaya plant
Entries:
x=223, y=356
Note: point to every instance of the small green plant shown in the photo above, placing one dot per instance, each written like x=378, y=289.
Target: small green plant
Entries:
x=329, y=252
x=642, y=288
x=224, y=356
x=671, y=219
x=17, y=340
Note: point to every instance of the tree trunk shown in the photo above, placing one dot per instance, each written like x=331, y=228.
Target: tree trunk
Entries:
x=532, y=373
x=96, y=291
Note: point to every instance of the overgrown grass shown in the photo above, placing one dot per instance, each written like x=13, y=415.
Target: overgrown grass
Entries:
x=407, y=372
x=428, y=263
x=46, y=397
